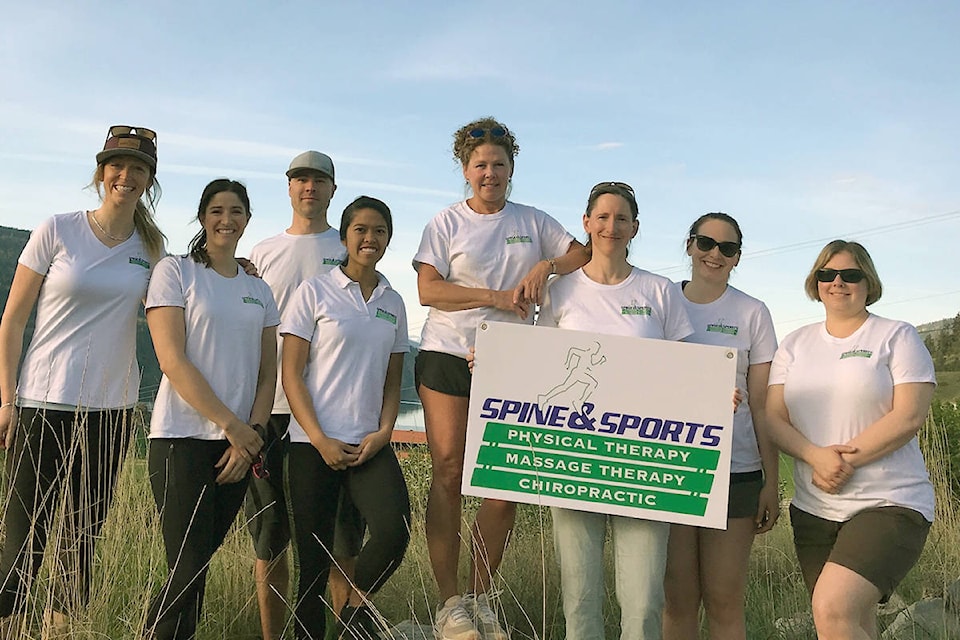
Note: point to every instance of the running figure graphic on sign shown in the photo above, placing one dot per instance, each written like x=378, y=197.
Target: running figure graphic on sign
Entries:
x=579, y=364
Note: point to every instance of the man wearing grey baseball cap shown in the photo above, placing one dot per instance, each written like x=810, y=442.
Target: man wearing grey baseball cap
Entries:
x=309, y=247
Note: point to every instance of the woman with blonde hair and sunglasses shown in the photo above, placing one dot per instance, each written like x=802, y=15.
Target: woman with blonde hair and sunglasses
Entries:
x=592, y=299
x=485, y=258
x=710, y=565
x=65, y=419
x=846, y=399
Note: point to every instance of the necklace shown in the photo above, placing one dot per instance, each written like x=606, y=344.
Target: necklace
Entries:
x=93, y=214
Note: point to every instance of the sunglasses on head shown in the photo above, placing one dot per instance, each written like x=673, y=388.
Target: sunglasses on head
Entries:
x=495, y=132
x=706, y=243
x=622, y=186
x=850, y=276
x=123, y=129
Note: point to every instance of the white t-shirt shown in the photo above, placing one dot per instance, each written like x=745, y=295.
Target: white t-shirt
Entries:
x=738, y=321
x=84, y=349
x=224, y=320
x=284, y=261
x=834, y=389
x=491, y=251
x=644, y=305
x=351, y=340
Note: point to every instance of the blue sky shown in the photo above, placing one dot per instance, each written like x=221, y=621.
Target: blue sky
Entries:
x=806, y=121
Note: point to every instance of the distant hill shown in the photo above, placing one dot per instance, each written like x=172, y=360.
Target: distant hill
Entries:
x=12, y=242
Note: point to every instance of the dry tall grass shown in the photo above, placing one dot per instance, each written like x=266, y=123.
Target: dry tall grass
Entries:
x=130, y=567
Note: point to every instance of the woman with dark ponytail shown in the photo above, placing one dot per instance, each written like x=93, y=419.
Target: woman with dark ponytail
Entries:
x=65, y=419
x=214, y=330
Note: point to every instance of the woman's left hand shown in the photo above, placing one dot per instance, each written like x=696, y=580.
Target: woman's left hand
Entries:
x=233, y=466
x=370, y=445
x=531, y=288
x=737, y=398
x=768, y=509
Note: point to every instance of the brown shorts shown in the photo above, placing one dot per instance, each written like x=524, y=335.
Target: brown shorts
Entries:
x=443, y=372
x=744, y=494
x=880, y=544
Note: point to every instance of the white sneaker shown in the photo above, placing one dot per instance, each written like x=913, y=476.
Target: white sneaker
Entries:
x=454, y=622
x=484, y=615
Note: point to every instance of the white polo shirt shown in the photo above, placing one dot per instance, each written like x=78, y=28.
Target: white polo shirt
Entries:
x=491, y=251
x=224, y=322
x=351, y=340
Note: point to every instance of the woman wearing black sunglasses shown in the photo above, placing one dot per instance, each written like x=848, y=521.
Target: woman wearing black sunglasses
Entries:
x=485, y=258
x=214, y=331
x=66, y=418
x=593, y=299
x=846, y=399
x=710, y=565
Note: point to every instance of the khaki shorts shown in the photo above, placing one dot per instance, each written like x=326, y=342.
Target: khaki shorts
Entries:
x=880, y=544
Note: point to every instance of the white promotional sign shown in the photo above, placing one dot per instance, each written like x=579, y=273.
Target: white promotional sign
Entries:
x=627, y=426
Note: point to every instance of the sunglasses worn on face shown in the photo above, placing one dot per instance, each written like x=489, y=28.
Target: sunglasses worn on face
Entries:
x=495, y=132
x=850, y=276
x=706, y=243
x=123, y=129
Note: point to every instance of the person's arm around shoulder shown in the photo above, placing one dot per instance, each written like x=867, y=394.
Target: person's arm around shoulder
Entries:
x=769, y=508
x=24, y=291
x=338, y=455
x=531, y=288
x=436, y=292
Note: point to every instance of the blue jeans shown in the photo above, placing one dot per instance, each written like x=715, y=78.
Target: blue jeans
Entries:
x=640, y=559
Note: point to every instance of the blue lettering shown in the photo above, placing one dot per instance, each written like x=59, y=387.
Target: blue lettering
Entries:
x=645, y=428
x=608, y=420
x=490, y=408
x=692, y=434
x=628, y=421
x=558, y=416
x=510, y=407
x=709, y=439
x=672, y=430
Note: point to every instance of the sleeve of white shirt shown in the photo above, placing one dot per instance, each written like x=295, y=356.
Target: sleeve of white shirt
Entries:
x=300, y=316
x=909, y=359
x=271, y=317
x=434, y=249
x=763, y=342
x=782, y=360
x=166, y=285
x=402, y=342
x=40, y=248
x=676, y=321
x=555, y=240
x=546, y=316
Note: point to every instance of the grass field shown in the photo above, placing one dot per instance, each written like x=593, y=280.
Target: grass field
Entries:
x=130, y=567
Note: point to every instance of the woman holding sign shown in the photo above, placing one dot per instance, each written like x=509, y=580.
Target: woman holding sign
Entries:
x=710, y=565
x=485, y=258
x=592, y=299
x=846, y=399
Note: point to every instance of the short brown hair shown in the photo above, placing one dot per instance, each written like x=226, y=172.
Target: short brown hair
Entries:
x=859, y=255
x=465, y=140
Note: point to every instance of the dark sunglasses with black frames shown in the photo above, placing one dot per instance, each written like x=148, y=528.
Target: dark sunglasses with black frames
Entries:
x=124, y=129
x=480, y=132
x=850, y=276
x=706, y=243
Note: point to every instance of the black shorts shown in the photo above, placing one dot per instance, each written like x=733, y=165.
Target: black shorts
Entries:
x=744, y=494
x=265, y=507
x=880, y=544
x=443, y=372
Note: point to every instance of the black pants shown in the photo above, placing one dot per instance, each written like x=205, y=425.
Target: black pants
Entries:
x=73, y=455
x=195, y=516
x=379, y=492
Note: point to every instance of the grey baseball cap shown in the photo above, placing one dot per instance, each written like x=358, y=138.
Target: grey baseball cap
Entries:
x=311, y=161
